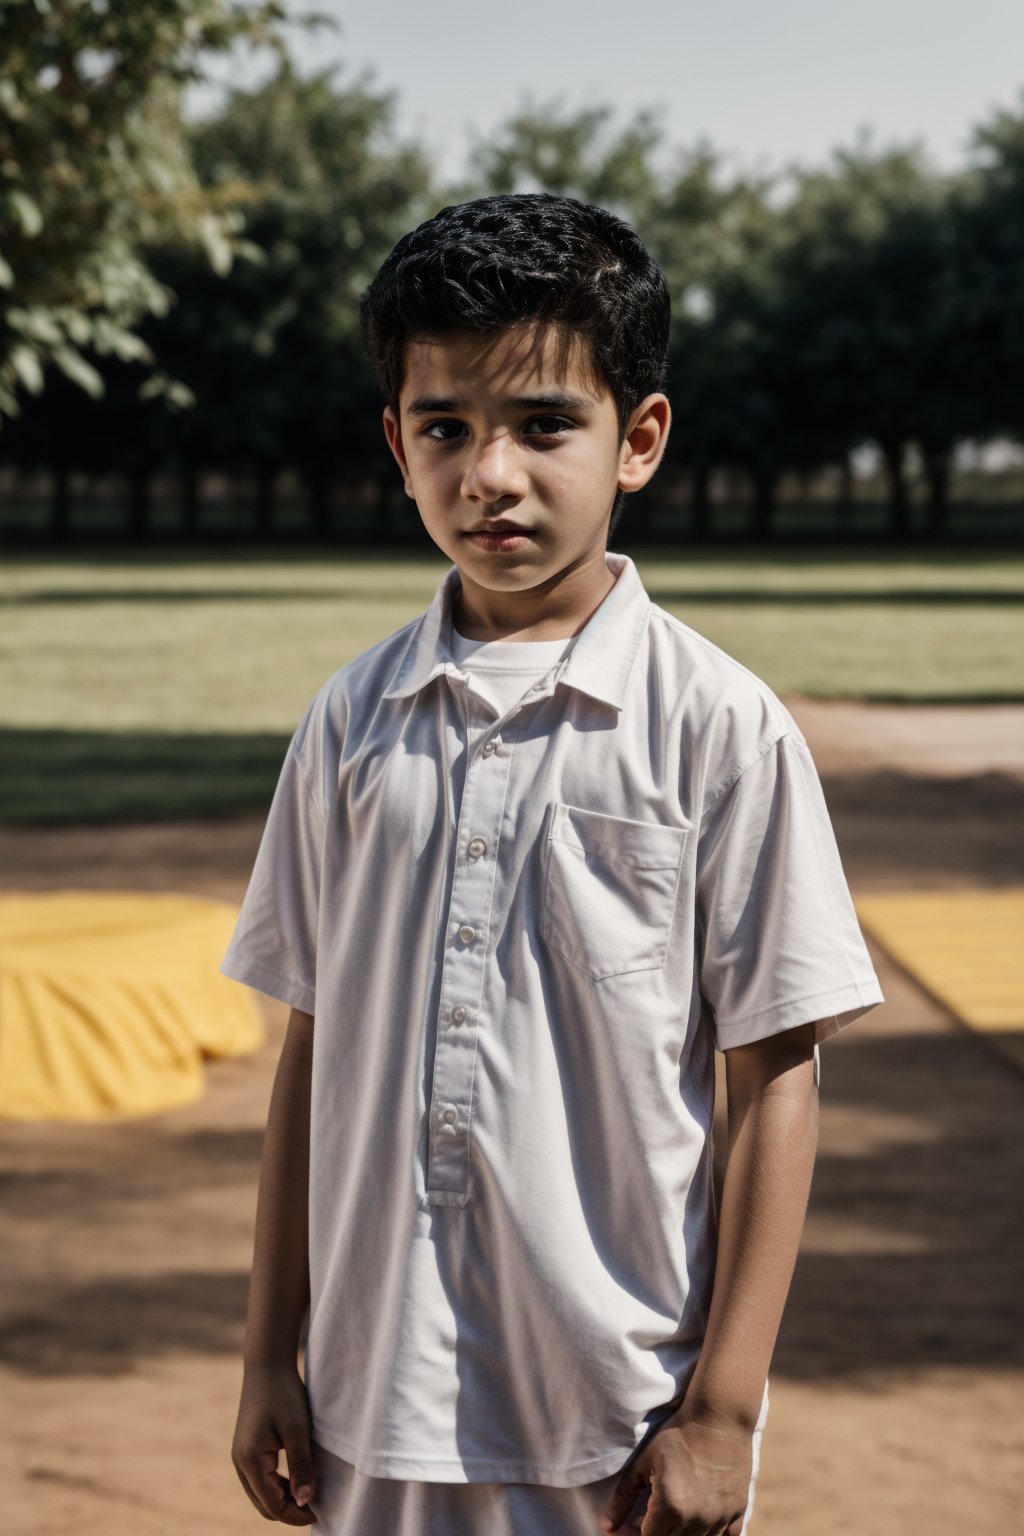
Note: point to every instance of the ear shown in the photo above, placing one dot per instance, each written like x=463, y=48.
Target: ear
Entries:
x=393, y=433
x=644, y=443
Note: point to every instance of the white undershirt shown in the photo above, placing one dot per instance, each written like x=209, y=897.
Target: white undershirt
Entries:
x=504, y=669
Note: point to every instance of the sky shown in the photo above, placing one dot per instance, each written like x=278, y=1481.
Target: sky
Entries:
x=766, y=82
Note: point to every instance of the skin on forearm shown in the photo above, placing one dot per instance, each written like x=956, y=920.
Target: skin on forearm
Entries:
x=279, y=1287
x=773, y=1136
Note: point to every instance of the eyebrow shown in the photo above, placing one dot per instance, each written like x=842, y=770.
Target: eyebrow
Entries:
x=427, y=405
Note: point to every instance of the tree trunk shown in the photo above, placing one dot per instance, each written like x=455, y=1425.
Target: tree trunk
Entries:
x=899, y=500
x=60, y=512
x=701, y=502
x=319, y=502
x=190, y=501
x=386, y=509
x=764, y=503
x=845, y=487
x=138, y=505
x=266, y=485
x=937, y=467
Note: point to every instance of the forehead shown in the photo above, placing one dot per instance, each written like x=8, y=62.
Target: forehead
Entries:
x=518, y=360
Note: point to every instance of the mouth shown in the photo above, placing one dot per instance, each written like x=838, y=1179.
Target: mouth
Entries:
x=499, y=539
x=499, y=527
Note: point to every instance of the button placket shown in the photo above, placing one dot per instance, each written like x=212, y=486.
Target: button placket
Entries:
x=463, y=971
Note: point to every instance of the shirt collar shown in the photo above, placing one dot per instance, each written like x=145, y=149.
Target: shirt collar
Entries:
x=599, y=659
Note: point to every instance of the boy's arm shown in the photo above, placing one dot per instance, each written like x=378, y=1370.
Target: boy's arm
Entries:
x=279, y=1288
x=773, y=1139
x=274, y=1410
x=699, y=1460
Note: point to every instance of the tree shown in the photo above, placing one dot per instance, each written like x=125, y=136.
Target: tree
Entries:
x=867, y=268
x=716, y=241
x=711, y=240
x=273, y=357
x=989, y=225
x=572, y=154
x=93, y=168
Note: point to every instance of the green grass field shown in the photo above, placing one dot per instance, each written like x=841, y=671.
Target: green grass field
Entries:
x=169, y=686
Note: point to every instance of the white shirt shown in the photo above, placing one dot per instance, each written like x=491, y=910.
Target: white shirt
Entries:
x=522, y=934
x=503, y=669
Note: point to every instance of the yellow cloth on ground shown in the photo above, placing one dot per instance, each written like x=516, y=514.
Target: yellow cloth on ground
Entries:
x=110, y=999
x=966, y=947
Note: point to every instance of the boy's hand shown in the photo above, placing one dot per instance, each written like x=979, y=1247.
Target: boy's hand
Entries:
x=273, y=1415
x=698, y=1478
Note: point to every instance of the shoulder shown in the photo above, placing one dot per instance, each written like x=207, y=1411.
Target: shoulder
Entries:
x=341, y=705
x=729, y=716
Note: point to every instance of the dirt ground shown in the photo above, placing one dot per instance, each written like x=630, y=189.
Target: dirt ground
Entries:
x=897, y=1396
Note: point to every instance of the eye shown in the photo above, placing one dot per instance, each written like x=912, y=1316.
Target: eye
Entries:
x=549, y=426
x=431, y=430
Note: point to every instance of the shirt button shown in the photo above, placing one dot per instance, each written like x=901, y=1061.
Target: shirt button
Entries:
x=489, y=747
x=449, y=1114
x=466, y=933
x=458, y=1014
x=477, y=847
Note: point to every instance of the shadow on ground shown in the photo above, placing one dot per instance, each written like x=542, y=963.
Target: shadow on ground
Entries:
x=54, y=778
x=132, y=784
x=915, y=1246
x=912, y=1255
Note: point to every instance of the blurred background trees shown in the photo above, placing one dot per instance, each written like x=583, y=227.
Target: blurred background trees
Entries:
x=95, y=167
x=178, y=299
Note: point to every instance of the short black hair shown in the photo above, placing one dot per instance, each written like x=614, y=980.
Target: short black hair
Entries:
x=522, y=257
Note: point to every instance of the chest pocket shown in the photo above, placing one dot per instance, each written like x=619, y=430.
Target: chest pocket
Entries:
x=610, y=890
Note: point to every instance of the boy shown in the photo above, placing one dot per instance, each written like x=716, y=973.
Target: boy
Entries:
x=530, y=860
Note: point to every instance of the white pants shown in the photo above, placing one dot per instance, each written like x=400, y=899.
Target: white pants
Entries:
x=348, y=1503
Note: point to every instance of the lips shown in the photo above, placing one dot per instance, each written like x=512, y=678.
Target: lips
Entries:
x=500, y=528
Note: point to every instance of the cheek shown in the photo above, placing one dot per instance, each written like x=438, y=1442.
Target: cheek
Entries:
x=432, y=474
x=574, y=479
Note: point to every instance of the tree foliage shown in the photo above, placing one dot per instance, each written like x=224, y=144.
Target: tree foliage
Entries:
x=326, y=189
x=94, y=167
x=204, y=278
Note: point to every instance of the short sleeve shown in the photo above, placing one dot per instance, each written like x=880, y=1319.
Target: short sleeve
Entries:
x=274, y=944
x=778, y=939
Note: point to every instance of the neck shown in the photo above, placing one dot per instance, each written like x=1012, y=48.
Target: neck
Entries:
x=553, y=610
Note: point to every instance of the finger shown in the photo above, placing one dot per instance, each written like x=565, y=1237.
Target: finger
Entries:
x=301, y=1477
x=253, y=1500
x=284, y=1506
x=624, y=1495
x=277, y=1495
x=267, y=1484
x=651, y=1523
x=253, y=1468
x=631, y=1524
x=660, y=1518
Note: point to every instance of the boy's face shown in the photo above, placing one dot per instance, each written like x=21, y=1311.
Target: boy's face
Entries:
x=514, y=427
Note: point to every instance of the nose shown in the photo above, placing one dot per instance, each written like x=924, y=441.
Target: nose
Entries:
x=494, y=472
